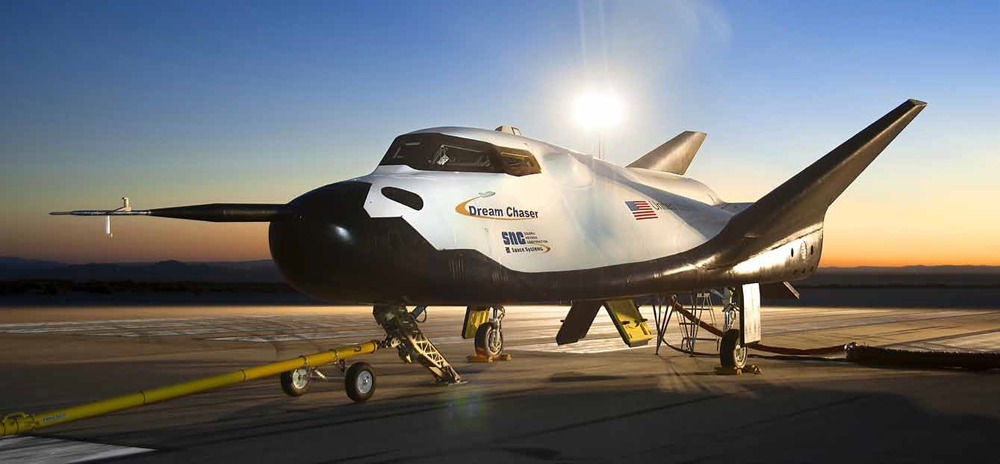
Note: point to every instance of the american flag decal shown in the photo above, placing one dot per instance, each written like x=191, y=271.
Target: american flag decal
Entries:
x=641, y=210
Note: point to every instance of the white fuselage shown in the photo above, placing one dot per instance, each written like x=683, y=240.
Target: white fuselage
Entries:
x=578, y=213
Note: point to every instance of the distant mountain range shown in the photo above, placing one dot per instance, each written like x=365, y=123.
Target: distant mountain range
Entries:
x=264, y=271
x=12, y=268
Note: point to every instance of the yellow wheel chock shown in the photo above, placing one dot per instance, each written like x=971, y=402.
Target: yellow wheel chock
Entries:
x=479, y=358
x=749, y=369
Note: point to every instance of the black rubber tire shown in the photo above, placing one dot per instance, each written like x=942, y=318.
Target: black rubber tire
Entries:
x=483, y=346
x=288, y=386
x=355, y=390
x=728, y=348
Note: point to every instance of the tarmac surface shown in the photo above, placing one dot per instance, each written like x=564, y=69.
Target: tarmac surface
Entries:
x=594, y=401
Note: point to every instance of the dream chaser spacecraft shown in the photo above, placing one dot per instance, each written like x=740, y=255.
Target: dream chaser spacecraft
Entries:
x=460, y=216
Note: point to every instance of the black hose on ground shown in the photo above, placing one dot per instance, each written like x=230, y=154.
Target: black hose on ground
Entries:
x=836, y=349
x=872, y=355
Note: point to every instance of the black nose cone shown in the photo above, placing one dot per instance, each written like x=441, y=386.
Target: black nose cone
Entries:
x=321, y=249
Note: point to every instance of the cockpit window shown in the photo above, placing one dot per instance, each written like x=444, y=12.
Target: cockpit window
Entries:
x=450, y=156
x=437, y=152
x=520, y=163
x=399, y=152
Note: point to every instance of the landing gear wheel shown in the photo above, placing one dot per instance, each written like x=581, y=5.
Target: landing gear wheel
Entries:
x=296, y=382
x=489, y=340
x=360, y=382
x=731, y=354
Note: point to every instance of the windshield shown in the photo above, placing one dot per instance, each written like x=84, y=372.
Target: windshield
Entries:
x=437, y=152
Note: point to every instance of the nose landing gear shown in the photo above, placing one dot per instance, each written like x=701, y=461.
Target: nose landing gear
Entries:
x=489, y=340
x=489, y=335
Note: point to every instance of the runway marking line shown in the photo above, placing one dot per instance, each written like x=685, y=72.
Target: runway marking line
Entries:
x=30, y=449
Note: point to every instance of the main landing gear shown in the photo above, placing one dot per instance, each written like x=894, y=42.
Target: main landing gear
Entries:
x=741, y=309
x=732, y=354
x=742, y=328
x=732, y=351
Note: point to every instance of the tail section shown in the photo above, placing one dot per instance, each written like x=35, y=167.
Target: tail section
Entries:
x=800, y=204
x=674, y=156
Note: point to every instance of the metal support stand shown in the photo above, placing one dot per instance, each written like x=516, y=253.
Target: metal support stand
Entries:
x=690, y=330
x=700, y=303
x=662, y=312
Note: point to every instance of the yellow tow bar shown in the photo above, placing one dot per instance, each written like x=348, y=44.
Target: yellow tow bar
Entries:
x=20, y=422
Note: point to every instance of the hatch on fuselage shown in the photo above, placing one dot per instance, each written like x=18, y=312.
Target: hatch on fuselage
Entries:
x=508, y=129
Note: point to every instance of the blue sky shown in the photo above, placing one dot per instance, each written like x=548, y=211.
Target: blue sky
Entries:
x=191, y=102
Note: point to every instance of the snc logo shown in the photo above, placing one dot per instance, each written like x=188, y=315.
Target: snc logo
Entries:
x=513, y=238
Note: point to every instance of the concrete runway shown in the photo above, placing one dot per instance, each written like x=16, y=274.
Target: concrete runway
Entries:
x=594, y=401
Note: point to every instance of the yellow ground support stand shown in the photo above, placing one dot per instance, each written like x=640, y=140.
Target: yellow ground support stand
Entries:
x=475, y=316
x=629, y=322
x=20, y=422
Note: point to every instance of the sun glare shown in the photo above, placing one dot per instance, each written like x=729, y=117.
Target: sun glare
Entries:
x=598, y=110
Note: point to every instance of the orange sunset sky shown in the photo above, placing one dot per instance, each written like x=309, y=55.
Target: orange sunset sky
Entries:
x=172, y=108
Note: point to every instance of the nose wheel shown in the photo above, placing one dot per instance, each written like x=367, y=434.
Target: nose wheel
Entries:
x=489, y=340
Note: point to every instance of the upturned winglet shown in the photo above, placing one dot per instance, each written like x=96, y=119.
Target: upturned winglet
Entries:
x=674, y=156
x=802, y=201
